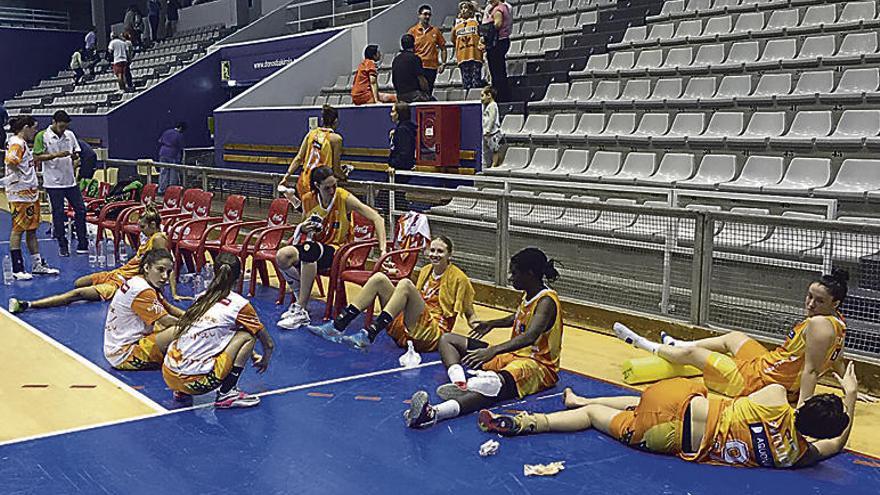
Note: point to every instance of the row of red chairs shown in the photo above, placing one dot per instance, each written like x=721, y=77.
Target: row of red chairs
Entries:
x=193, y=232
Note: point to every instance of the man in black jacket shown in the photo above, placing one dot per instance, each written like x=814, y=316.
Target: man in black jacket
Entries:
x=406, y=73
x=403, y=138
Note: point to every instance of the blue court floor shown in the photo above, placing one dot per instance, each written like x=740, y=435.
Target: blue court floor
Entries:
x=330, y=422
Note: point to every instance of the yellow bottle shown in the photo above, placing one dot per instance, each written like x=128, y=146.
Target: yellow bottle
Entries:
x=654, y=368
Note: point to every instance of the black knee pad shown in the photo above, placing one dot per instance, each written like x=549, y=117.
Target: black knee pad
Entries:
x=309, y=251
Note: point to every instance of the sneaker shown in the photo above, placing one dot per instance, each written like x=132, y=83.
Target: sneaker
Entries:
x=326, y=331
x=359, y=341
x=501, y=423
x=290, y=311
x=298, y=319
x=181, y=396
x=450, y=391
x=16, y=306
x=43, y=269
x=421, y=413
x=84, y=249
x=64, y=250
x=235, y=398
x=22, y=276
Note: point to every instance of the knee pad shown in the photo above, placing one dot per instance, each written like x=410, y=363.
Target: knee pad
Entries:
x=310, y=251
x=487, y=383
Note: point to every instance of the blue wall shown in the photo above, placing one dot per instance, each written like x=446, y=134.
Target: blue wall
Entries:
x=360, y=127
x=252, y=62
x=35, y=54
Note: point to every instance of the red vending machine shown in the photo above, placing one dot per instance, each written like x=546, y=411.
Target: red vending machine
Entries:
x=439, y=140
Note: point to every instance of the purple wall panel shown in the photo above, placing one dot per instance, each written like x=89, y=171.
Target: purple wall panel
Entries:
x=19, y=47
x=252, y=62
x=360, y=127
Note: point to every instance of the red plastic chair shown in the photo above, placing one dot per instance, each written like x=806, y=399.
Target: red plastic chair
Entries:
x=148, y=195
x=275, y=217
x=175, y=226
x=92, y=204
x=352, y=256
x=193, y=237
x=128, y=222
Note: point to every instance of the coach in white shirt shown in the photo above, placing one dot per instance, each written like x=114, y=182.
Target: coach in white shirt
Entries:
x=57, y=149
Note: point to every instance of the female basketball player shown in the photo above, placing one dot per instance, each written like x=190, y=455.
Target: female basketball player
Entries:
x=101, y=286
x=736, y=365
x=140, y=323
x=526, y=364
x=326, y=225
x=217, y=335
x=421, y=312
x=675, y=417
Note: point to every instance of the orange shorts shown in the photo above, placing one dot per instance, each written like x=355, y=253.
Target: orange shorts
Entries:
x=425, y=336
x=530, y=376
x=199, y=384
x=107, y=283
x=655, y=423
x=738, y=375
x=145, y=355
x=25, y=216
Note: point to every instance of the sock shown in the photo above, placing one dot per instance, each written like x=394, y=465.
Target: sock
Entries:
x=379, y=324
x=456, y=374
x=446, y=410
x=625, y=334
x=667, y=339
x=231, y=379
x=17, y=260
x=37, y=259
x=24, y=304
x=291, y=275
x=345, y=317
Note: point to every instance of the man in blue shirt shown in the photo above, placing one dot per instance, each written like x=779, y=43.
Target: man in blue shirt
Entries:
x=171, y=151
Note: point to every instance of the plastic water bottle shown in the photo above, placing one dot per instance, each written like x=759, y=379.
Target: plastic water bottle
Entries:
x=123, y=253
x=7, y=270
x=410, y=358
x=93, y=252
x=198, y=284
x=208, y=275
x=101, y=260
x=111, y=256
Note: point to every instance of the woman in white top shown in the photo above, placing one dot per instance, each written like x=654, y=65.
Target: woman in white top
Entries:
x=140, y=322
x=217, y=335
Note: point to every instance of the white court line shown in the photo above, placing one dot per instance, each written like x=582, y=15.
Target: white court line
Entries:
x=38, y=240
x=167, y=412
x=88, y=364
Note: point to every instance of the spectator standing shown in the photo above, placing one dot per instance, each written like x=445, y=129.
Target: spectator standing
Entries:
x=57, y=148
x=76, y=65
x=119, y=57
x=90, y=42
x=133, y=24
x=403, y=138
x=495, y=31
x=88, y=160
x=365, y=88
x=154, y=10
x=171, y=17
x=491, y=128
x=406, y=73
x=4, y=116
x=171, y=151
x=430, y=46
x=466, y=40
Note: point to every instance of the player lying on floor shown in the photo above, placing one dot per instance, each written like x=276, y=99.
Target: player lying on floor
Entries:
x=676, y=417
x=422, y=312
x=526, y=364
x=140, y=323
x=217, y=335
x=736, y=365
x=101, y=286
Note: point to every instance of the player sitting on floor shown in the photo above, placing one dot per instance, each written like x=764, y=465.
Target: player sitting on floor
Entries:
x=526, y=364
x=422, y=312
x=101, y=286
x=675, y=417
x=326, y=225
x=217, y=335
x=140, y=323
x=736, y=365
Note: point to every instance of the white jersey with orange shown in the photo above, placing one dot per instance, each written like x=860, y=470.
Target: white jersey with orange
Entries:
x=21, y=175
x=135, y=307
x=197, y=348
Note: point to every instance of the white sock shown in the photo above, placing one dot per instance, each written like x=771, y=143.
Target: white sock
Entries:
x=37, y=259
x=446, y=410
x=625, y=334
x=456, y=374
x=667, y=339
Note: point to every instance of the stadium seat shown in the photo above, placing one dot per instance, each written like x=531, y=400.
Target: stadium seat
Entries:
x=457, y=203
x=762, y=126
x=613, y=220
x=543, y=160
x=673, y=167
x=697, y=89
x=730, y=88
x=852, y=129
x=580, y=91
x=651, y=124
x=757, y=172
x=855, y=14
x=635, y=166
x=803, y=174
x=791, y=240
x=664, y=89
x=572, y=162
x=563, y=124
x=589, y=124
x=808, y=88
x=619, y=61
x=775, y=51
x=603, y=164
x=543, y=213
x=635, y=89
x=557, y=94
x=769, y=88
x=535, y=124
x=684, y=125
x=647, y=226
x=714, y=170
x=647, y=60
x=675, y=59
x=814, y=48
x=516, y=158
x=605, y=91
x=781, y=20
x=512, y=124
x=853, y=87
x=741, y=53
x=854, y=48
x=721, y=126
x=804, y=130
x=689, y=28
x=854, y=179
x=739, y=234
x=619, y=124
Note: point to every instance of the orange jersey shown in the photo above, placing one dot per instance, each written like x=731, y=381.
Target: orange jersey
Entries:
x=741, y=432
x=335, y=217
x=21, y=175
x=785, y=364
x=361, y=88
x=131, y=268
x=548, y=347
x=428, y=43
x=319, y=153
x=467, y=39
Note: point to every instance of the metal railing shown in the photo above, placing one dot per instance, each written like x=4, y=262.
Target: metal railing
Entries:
x=715, y=269
x=326, y=10
x=34, y=18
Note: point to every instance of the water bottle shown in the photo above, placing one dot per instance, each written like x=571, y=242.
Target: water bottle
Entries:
x=198, y=284
x=410, y=358
x=7, y=270
x=111, y=255
x=123, y=254
x=101, y=259
x=208, y=275
x=93, y=252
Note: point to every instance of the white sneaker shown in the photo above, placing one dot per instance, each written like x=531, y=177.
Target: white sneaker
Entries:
x=235, y=398
x=290, y=311
x=298, y=319
x=22, y=276
x=43, y=269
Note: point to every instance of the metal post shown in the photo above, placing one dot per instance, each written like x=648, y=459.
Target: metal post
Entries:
x=697, y=266
x=701, y=281
x=502, y=247
x=204, y=181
